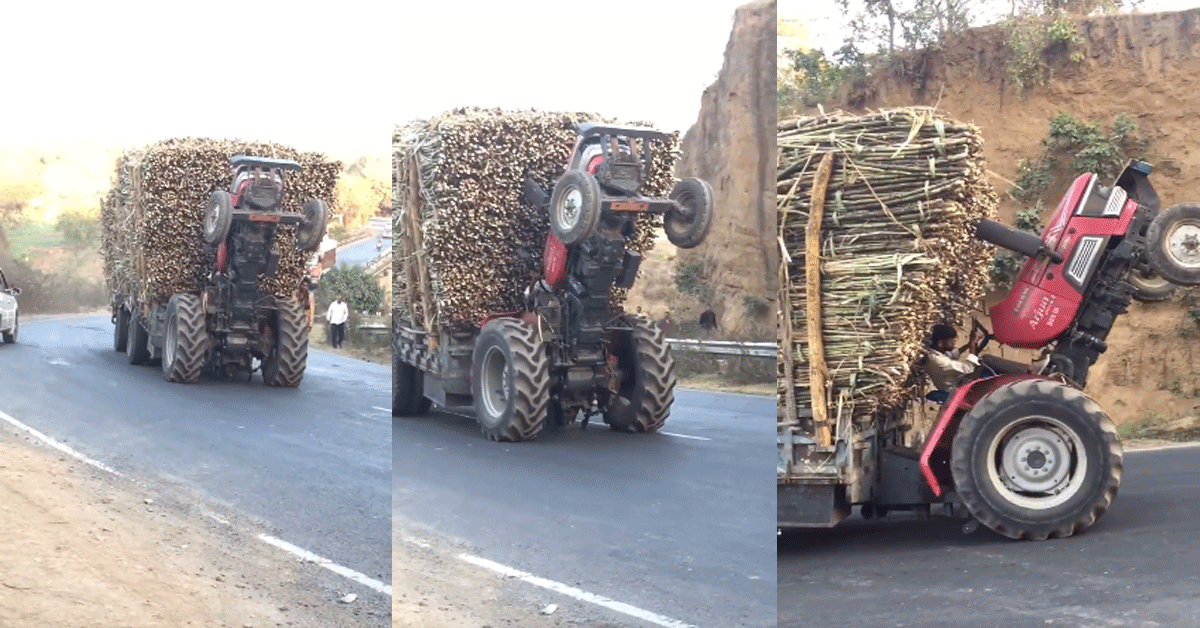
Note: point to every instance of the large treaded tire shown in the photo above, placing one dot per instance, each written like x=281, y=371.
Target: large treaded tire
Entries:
x=121, y=330
x=1166, y=262
x=311, y=231
x=1088, y=491
x=185, y=343
x=510, y=380
x=10, y=337
x=1150, y=288
x=577, y=223
x=137, y=352
x=218, y=217
x=652, y=391
x=408, y=390
x=688, y=231
x=285, y=368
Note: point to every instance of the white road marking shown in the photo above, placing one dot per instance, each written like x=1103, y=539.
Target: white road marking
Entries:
x=216, y=518
x=345, y=572
x=382, y=409
x=59, y=446
x=417, y=542
x=284, y=545
x=578, y=594
x=685, y=436
x=60, y=362
x=1163, y=447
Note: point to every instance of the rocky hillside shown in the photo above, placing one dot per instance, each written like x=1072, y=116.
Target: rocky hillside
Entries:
x=1146, y=66
x=732, y=145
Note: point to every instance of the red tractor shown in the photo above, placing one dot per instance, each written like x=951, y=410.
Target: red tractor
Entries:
x=1028, y=454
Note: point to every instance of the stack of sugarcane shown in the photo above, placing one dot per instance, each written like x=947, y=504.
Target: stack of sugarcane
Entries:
x=152, y=240
x=467, y=245
x=896, y=249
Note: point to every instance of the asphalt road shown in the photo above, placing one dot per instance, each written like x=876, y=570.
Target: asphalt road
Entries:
x=360, y=253
x=1136, y=567
x=676, y=526
x=311, y=464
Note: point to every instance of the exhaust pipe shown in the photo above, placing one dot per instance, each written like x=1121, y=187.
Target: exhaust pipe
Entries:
x=1013, y=240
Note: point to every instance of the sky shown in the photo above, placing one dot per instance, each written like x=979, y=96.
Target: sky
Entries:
x=337, y=76
x=826, y=23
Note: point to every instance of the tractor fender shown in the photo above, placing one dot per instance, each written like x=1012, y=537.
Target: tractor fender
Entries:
x=937, y=447
x=554, y=261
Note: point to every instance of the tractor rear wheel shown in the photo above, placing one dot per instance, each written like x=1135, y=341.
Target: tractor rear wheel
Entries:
x=575, y=207
x=218, y=217
x=289, y=355
x=408, y=390
x=688, y=228
x=1173, y=244
x=185, y=343
x=647, y=389
x=121, y=330
x=1036, y=459
x=1150, y=288
x=311, y=231
x=510, y=380
x=137, y=351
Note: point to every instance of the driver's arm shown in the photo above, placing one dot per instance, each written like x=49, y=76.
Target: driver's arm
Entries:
x=946, y=371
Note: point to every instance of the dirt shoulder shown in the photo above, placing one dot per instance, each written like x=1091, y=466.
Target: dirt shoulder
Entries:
x=80, y=548
x=716, y=384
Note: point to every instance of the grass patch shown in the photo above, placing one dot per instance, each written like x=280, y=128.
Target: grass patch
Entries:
x=1157, y=427
x=28, y=235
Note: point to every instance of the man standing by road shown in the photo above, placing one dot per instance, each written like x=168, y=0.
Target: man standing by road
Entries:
x=337, y=315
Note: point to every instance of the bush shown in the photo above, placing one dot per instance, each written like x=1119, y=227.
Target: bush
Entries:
x=362, y=292
x=79, y=229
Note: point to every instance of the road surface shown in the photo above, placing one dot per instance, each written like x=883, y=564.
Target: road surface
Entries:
x=310, y=466
x=677, y=524
x=1135, y=567
x=360, y=253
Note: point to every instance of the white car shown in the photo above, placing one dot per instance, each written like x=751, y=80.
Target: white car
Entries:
x=9, y=319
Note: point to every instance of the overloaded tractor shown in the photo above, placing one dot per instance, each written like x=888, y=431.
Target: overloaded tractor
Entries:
x=1020, y=448
x=228, y=324
x=569, y=353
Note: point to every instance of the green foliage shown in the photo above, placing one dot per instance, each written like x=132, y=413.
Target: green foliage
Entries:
x=1092, y=148
x=79, y=229
x=362, y=292
x=815, y=79
x=756, y=307
x=692, y=277
x=1031, y=39
x=1033, y=179
x=1007, y=265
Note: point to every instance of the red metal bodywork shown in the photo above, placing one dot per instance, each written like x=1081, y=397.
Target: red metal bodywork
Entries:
x=935, y=457
x=554, y=256
x=1043, y=303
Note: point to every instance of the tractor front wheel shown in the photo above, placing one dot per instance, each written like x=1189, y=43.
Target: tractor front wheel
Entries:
x=647, y=387
x=137, y=350
x=185, y=343
x=510, y=380
x=121, y=330
x=1173, y=244
x=575, y=207
x=218, y=217
x=289, y=354
x=1150, y=288
x=688, y=226
x=311, y=231
x=1036, y=459
x=408, y=390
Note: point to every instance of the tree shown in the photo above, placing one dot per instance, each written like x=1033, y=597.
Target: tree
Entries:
x=78, y=229
x=362, y=292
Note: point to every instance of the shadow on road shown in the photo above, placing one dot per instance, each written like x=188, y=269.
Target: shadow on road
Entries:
x=898, y=534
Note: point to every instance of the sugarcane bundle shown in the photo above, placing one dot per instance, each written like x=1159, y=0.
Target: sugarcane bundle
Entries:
x=467, y=245
x=896, y=247
x=152, y=242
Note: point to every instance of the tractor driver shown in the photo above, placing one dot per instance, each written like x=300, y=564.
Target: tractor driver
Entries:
x=948, y=368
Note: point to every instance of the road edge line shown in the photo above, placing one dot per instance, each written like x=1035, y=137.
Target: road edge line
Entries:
x=578, y=594
x=59, y=446
x=340, y=570
x=1169, y=447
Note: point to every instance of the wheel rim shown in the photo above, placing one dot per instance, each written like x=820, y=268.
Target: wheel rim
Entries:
x=172, y=338
x=493, y=382
x=569, y=209
x=683, y=217
x=1183, y=244
x=211, y=218
x=1037, y=462
x=1149, y=281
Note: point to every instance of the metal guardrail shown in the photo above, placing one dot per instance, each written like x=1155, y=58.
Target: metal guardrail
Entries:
x=724, y=347
x=381, y=224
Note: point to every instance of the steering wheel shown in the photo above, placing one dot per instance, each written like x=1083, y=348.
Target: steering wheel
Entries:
x=987, y=336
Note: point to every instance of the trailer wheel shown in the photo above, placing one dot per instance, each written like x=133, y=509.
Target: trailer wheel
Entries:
x=311, y=231
x=218, y=216
x=688, y=228
x=1173, y=244
x=121, y=330
x=1037, y=459
x=510, y=380
x=137, y=351
x=647, y=390
x=185, y=341
x=408, y=390
x=575, y=207
x=289, y=353
x=1150, y=288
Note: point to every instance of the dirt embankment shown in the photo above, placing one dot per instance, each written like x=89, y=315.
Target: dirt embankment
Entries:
x=732, y=146
x=1146, y=66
